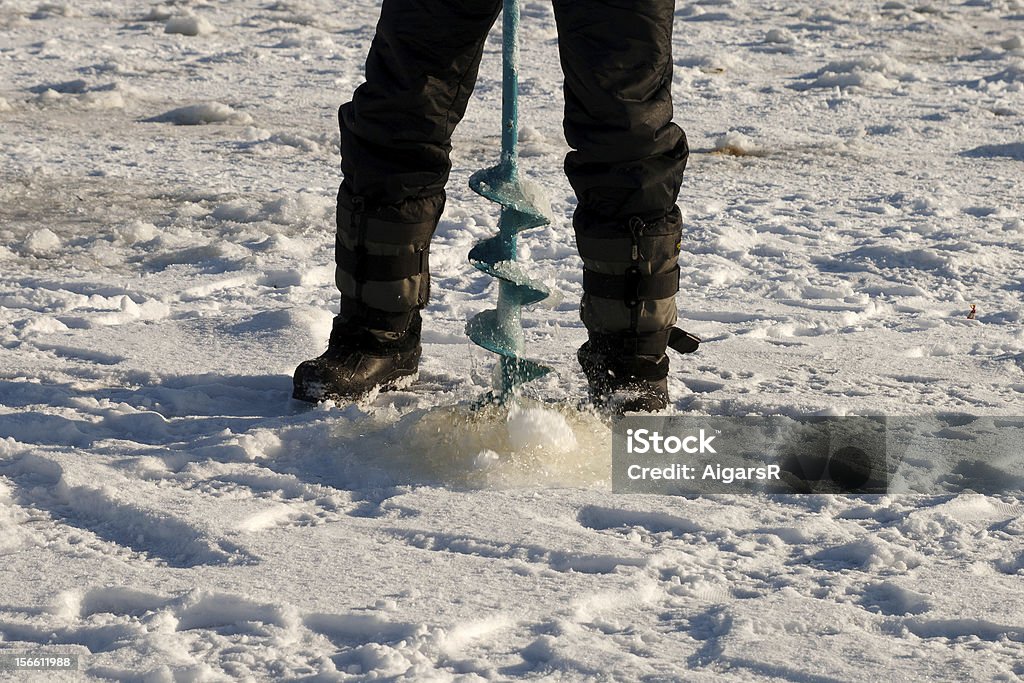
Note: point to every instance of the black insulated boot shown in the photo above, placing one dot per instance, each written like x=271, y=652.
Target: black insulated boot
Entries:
x=628, y=375
x=625, y=384
x=630, y=281
x=355, y=364
x=383, y=275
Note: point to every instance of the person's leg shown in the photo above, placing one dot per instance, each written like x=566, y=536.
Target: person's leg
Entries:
x=420, y=72
x=395, y=144
x=626, y=167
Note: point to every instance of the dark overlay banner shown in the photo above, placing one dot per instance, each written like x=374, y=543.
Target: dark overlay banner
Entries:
x=939, y=454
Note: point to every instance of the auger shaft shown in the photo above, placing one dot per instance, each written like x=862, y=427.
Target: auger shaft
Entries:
x=500, y=330
x=510, y=91
x=509, y=313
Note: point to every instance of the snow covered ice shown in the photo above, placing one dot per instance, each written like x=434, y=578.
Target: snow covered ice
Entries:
x=166, y=245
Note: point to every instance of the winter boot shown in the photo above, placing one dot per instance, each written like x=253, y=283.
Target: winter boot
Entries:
x=383, y=275
x=356, y=362
x=630, y=280
x=621, y=382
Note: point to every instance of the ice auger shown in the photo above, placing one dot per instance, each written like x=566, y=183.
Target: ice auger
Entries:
x=501, y=330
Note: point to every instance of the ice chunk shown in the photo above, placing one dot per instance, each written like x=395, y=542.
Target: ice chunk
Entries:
x=207, y=112
x=779, y=36
x=189, y=25
x=42, y=242
x=737, y=144
x=539, y=428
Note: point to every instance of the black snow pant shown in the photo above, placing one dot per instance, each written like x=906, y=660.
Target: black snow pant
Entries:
x=626, y=163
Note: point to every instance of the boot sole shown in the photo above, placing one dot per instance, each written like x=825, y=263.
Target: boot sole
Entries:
x=400, y=382
x=317, y=393
x=396, y=384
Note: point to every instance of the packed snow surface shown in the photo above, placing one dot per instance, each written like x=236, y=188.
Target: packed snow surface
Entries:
x=167, y=512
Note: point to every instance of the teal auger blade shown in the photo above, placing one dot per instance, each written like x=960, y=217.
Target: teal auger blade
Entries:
x=524, y=291
x=520, y=199
x=522, y=370
x=501, y=330
x=486, y=330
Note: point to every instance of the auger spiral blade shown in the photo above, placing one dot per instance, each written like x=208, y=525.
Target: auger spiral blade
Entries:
x=501, y=330
x=519, y=198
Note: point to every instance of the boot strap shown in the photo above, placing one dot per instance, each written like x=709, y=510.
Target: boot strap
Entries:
x=632, y=287
x=647, y=344
x=356, y=314
x=682, y=341
x=381, y=257
x=364, y=266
